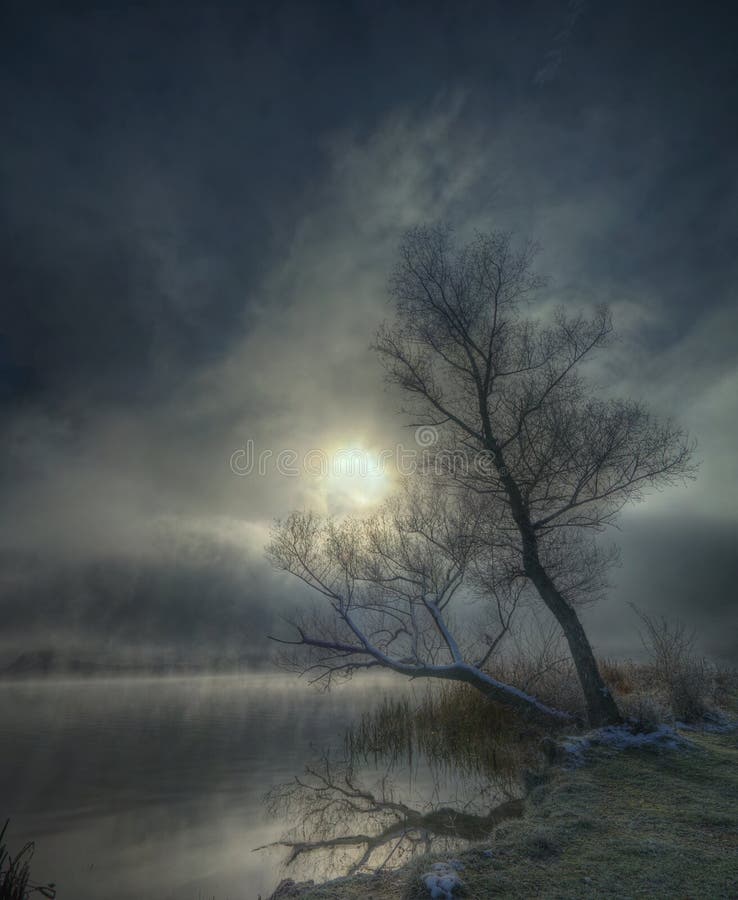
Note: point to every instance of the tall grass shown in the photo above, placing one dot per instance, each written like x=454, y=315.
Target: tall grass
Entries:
x=452, y=726
x=455, y=726
x=15, y=881
x=673, y=684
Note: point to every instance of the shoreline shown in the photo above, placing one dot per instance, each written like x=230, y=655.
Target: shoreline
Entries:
x=652, y=820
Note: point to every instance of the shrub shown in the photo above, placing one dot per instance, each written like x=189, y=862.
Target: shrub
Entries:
x=686, y=679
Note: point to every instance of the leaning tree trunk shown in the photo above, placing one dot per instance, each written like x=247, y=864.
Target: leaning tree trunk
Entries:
x=601, y=706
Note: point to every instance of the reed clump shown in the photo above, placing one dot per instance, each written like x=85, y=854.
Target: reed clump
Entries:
x=15, y=873
x=451, y=726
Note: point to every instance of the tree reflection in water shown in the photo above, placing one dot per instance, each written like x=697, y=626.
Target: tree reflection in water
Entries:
x=367, y=812
x=346, y=828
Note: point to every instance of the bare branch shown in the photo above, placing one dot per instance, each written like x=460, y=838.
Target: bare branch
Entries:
x=389, y=581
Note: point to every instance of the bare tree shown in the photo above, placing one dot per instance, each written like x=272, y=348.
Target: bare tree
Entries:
x=390, y=583
x=554, y=463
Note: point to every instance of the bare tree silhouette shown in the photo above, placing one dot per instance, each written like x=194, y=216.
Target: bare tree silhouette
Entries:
x=560, y=463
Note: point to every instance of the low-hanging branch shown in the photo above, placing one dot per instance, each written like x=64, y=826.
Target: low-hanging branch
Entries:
x=389, y=583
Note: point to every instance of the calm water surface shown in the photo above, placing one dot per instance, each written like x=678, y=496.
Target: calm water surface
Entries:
x=153, y=788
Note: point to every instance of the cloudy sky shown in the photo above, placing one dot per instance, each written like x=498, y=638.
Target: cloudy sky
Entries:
x=200, y=206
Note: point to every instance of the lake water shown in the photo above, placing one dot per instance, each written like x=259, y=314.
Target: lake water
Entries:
x=153, y=788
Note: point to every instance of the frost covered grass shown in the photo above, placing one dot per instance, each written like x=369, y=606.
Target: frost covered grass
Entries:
x=573, y=751
x=689, y=691
x=648, y=821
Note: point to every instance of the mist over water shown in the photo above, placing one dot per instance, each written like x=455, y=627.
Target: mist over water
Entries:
x=154, y=787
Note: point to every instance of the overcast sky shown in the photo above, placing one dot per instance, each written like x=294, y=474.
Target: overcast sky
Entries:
x=200, y=207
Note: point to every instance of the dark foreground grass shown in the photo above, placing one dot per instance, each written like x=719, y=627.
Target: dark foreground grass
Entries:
x=15, y=874
x=637, y=823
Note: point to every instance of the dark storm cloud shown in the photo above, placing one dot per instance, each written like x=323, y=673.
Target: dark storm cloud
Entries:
x=200, y=207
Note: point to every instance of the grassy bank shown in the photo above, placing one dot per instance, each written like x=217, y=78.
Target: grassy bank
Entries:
x=636, y=823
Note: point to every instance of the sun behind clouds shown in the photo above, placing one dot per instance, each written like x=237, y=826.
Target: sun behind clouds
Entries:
x=354, y=479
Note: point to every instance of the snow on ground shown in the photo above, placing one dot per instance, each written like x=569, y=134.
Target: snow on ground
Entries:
x=442, y=882
x=714, y=723
x=622, y=737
